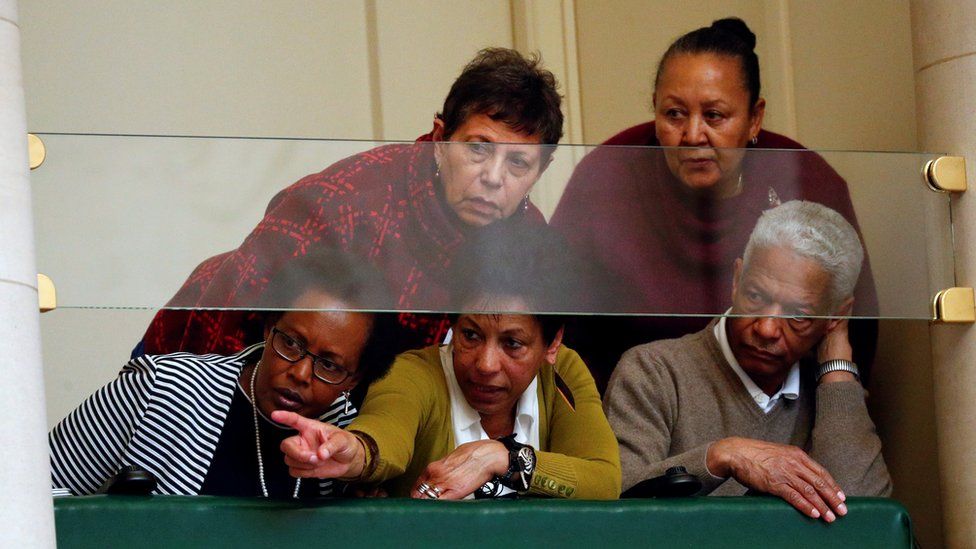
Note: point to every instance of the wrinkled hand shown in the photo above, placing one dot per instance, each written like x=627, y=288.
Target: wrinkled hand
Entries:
x=464, y=470
x=836, y=344
x=320, y=450
x=781, y=470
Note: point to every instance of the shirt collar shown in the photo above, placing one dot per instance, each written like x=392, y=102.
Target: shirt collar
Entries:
x=791, y=386
x=247, y=351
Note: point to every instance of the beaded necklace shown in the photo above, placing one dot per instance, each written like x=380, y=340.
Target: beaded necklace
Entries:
x=257, y=439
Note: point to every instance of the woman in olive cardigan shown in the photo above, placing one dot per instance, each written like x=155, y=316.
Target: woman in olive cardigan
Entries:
x=504, y=409
x=405, y=433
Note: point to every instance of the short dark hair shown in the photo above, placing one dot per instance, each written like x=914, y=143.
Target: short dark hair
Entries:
x=346, y=278
x=730, y=37
x=511, y=260
x=506, y=86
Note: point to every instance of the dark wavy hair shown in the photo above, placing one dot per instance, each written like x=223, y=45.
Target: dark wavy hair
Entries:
x=506, y=86
x=350, y=280
x=729, y=37
x=509, y=261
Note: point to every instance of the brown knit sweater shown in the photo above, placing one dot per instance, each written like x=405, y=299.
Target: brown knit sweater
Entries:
x=669, y=400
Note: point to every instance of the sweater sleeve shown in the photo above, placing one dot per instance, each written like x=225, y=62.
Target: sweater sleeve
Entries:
x=845, y=441
x=86, y=447
x=582, y=460
x=393, y=413
x=642, y=405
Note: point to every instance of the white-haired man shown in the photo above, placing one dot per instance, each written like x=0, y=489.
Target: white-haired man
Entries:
x=733, y=405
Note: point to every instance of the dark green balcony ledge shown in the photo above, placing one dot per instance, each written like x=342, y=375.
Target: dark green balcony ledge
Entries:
x=171, y=521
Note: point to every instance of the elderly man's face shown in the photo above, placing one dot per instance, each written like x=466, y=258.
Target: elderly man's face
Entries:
x=781, y=283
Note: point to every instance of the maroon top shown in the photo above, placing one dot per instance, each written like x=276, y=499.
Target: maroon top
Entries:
x=667, y=251
x=382, y=205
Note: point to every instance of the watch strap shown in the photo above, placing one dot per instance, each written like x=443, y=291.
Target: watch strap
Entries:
x=520, y=469
x=837, y=365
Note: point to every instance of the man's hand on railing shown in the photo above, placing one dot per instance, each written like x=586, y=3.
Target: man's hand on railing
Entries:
x=781, y=470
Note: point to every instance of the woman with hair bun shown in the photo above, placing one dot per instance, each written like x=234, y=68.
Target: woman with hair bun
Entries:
x=666, y=226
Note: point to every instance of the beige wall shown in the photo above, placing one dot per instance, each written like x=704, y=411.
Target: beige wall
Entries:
x=945, y=77
x=425, y=38
x=621, y=42
x=864, y=102
x=211, y=68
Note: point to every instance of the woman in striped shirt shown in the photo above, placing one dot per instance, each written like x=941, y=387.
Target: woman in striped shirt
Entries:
x=200, y=423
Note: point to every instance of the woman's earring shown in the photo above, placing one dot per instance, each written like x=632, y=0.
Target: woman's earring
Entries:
x=345, y=410
x=754, y=140
x=525, y=203
x=437, y=174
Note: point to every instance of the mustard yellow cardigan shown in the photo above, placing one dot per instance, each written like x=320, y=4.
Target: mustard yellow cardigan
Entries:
x=408, y=414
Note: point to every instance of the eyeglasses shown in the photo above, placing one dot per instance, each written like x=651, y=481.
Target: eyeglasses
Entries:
x=293, y=350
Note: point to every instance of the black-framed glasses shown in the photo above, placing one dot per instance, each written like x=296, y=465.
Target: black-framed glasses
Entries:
x=293, y=350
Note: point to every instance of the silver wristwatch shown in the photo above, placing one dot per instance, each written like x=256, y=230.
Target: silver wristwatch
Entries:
x=837, y=365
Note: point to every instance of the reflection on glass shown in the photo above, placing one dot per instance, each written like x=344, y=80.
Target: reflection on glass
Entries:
x=126, y=221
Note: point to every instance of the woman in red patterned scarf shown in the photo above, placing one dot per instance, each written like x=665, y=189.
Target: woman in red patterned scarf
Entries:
x=405, y=208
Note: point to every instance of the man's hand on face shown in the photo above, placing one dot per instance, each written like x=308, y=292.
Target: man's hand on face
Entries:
x=836, y=345
x=781, y=470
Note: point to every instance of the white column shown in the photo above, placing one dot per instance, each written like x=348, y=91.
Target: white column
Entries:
x=549, y=27
x=944, y=45
x=26, y=513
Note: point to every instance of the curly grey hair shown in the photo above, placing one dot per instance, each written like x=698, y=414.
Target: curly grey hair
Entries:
x=816, y=232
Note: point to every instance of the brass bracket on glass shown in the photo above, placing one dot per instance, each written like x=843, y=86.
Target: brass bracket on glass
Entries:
x=47, y=296
x=36, y=151
x=946, y=174
x=955, y=305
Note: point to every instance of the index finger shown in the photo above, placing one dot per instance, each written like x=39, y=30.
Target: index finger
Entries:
x=293, y=420
x=821, y=480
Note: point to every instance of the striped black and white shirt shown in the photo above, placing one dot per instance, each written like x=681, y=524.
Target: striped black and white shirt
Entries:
x=163, y=413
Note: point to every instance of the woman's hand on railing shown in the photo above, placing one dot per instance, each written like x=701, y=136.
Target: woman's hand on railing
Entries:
x=462, y=471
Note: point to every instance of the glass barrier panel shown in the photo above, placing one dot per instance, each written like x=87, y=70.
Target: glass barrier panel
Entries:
x=239, y=223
